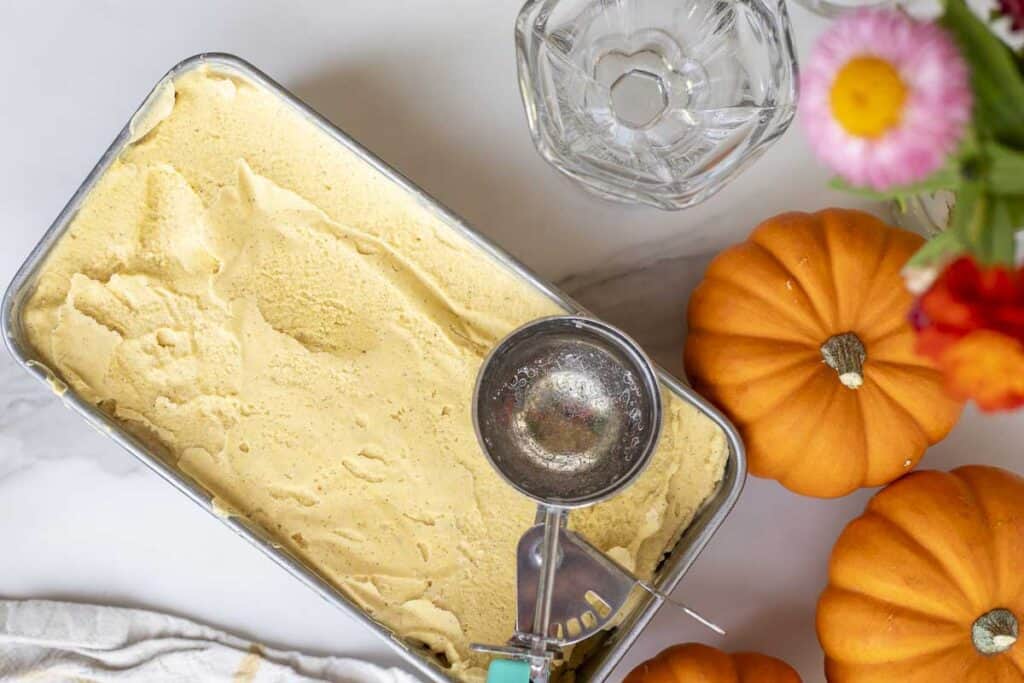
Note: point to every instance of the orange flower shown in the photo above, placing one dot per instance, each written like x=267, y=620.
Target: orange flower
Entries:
x=988, y=367
x=970, y=322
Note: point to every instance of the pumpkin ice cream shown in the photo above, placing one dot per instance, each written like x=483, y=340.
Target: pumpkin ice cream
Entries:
x=286, y=325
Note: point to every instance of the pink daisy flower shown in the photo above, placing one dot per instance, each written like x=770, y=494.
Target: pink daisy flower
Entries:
x=884, y=98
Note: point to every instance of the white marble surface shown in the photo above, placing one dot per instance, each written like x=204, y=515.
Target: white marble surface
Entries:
x=430, y=87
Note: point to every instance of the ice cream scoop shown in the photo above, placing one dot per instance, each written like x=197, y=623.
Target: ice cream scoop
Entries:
x=568, y=411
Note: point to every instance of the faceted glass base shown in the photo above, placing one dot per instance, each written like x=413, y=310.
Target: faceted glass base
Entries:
x=655, y=101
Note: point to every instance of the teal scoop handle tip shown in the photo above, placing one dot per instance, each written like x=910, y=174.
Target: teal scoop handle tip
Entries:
x=508, y=671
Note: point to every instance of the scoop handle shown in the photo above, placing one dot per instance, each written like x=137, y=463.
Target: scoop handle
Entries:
x=553, y=520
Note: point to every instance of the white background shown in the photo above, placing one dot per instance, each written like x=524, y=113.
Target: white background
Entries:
x=430, y=87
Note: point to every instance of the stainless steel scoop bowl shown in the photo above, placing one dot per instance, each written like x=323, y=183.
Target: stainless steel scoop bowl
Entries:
x=567, y=410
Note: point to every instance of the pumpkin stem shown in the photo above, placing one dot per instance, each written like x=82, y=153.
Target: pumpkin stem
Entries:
x=845, y=354
x=995, y=632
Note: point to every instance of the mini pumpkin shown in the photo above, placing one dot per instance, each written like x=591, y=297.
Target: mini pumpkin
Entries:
x=800, y=335
x=695, y=663
x=928, y=584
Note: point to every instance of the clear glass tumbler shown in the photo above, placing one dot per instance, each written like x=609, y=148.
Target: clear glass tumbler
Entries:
x=655, y=101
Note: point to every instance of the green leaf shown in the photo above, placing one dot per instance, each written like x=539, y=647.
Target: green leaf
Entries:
x=1005, y=170
x=937, y=250
x=1016, y=207
x=995, y=77
x=998, y=240
x=946, y=178
x=969, y=215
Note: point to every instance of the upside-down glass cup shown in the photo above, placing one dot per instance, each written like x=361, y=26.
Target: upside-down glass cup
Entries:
x=660, y=102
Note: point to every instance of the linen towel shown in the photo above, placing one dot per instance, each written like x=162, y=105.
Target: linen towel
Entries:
x=48, y=642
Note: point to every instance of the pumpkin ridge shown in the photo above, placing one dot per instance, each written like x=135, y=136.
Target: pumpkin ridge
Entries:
x=1016, y=657
x=876, y=668
x=800, y=387
x=895, y=239
x=676, y=666
x=754, y=667
x=863, y=429
x=858, y=591
x=784, y=474
x=771, y=408
x=987, y=522
x=810, y=334
x=877, y=266
x=797, y=346
x=902, y=366
x=887, y=606
x=822, y=320
x=988, y=669
x=935, y=558
x=840, y=649
x=771, y=374
x=824, y=236
x=893, y=402
x=971, y=475
x=901, y=328
x=690, y=662
x=871, y=320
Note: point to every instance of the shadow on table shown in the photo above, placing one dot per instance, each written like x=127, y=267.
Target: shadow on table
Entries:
x=779, y=619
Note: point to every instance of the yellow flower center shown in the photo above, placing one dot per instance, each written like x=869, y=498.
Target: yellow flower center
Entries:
x=867, y=96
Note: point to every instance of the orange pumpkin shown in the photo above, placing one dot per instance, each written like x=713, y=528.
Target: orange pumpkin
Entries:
x=800, y=335
x=694, y=663
x=927, y=585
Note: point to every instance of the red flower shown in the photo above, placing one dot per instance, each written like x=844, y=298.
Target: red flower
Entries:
x=970, y=322
x=1014, y=9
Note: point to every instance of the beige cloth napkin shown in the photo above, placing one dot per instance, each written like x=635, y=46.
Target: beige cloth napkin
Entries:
x=45, y=642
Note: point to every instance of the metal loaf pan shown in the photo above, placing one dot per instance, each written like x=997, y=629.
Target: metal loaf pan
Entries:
x=600, y=661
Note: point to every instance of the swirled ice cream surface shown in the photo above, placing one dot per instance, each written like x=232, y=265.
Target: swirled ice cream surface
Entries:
x=282, y=322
